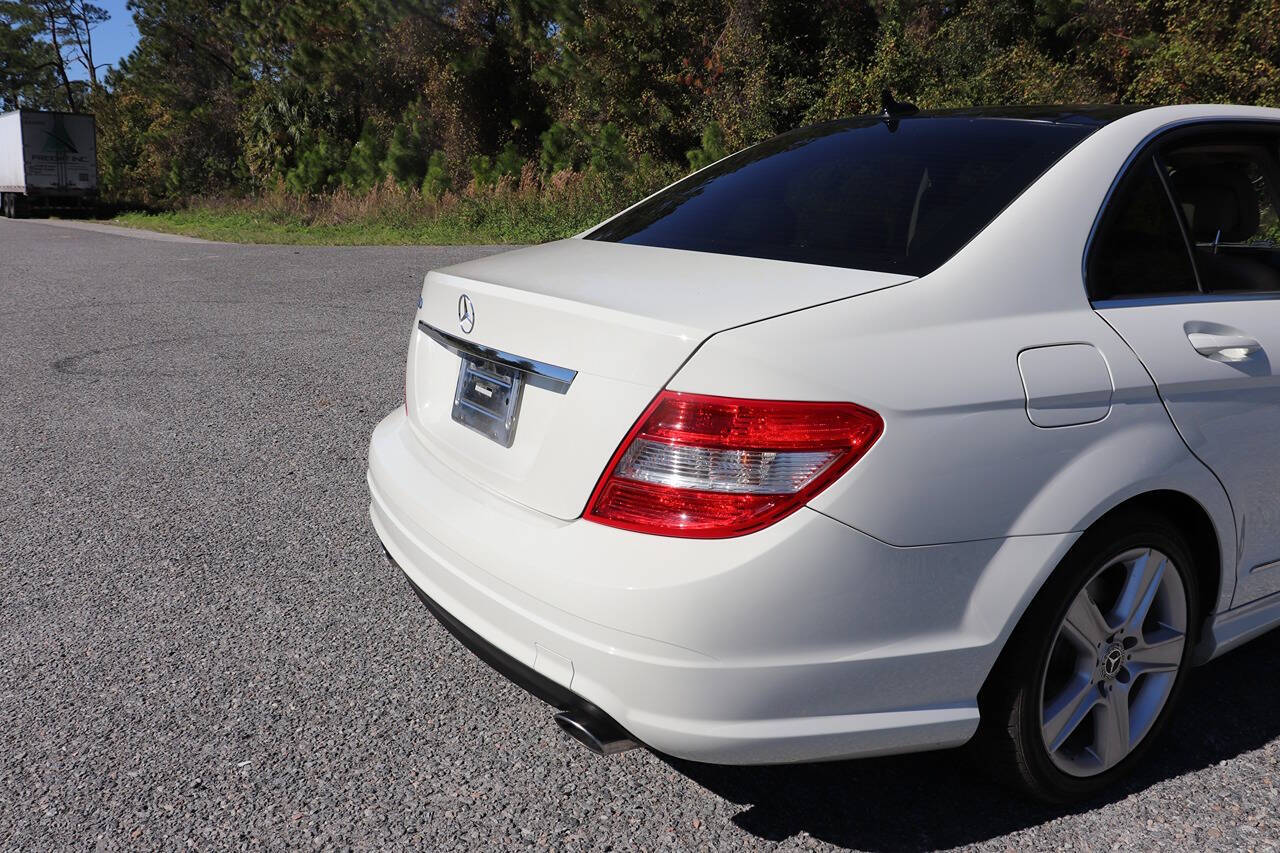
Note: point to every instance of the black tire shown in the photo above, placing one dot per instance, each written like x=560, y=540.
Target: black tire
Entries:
x=1009, y=743
x=6, y=205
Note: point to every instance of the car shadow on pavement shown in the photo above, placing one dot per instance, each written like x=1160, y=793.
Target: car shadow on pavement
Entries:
x=942, y=799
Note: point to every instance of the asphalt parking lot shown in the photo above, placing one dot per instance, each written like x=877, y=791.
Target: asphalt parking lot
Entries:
x=200, y=644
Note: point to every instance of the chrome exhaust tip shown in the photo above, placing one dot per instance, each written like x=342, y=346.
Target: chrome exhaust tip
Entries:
x=594, y=731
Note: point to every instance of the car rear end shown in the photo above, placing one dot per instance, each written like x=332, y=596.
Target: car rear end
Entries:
x=481, y=502
x=642, y=551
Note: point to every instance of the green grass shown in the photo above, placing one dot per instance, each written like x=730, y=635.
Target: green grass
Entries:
x=231, y=226
x=531, y=209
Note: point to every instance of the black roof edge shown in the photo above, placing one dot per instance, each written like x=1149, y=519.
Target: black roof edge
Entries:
x=1091, y=115
x=1087, y=117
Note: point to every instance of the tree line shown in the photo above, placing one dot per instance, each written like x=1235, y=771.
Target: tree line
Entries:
x=242, y=96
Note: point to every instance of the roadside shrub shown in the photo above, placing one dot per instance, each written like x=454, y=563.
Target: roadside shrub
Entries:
x=508, y=162
x=317, y=169
x=488, y=171
x=483, y=174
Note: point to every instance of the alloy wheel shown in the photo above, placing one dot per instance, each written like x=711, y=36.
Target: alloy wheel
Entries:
x=1114, y=662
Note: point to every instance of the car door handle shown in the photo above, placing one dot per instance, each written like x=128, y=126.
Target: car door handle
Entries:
x=1221, y=347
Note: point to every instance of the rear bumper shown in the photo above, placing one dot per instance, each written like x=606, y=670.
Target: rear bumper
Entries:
x=805, y=641
x=522, y=676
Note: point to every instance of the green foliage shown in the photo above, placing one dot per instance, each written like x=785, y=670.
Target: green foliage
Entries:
x=1213, y=52
x=486, y=171
x=406, y=159
x=26, y=60
x=318, y=165
x=44, y=44
x=609, y=151
x=711, y=150
x=438, y=181
x=483, y=172
x=364, y=166
x=990, y=51
x=278, y=123
x=178, y=99
x=509, y=160
x=559, y=147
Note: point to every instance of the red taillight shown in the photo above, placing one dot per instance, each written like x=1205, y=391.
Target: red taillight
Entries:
x=714, y=467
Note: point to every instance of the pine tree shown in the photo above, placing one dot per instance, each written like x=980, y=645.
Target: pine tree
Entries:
x=406, y=158
x=437, y=182
x=609, y=151
x=558, y=146
x=317, y=167
x=364, y=167
x=711, y=150
x=27, y=76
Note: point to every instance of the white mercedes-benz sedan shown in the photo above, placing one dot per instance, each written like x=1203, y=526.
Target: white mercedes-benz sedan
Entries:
x=883, y=435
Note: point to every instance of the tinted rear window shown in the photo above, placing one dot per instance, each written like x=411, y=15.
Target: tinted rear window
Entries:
x=863, y=193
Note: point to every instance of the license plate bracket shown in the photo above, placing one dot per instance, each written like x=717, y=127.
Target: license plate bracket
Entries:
x=488, y=397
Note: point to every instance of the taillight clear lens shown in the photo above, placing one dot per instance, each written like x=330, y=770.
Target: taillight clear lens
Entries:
x=714, y=467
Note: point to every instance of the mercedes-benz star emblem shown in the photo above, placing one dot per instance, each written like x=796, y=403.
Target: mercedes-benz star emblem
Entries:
x=1113, y=661
x=466, y=314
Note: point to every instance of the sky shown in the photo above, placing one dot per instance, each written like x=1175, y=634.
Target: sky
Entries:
x=111, y=40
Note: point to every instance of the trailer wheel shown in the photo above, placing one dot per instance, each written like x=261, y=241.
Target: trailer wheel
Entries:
x=6, y=204
x=13, y=206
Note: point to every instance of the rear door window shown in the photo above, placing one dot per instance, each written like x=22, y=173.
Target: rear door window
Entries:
x=1225, y=187
x=893, y=196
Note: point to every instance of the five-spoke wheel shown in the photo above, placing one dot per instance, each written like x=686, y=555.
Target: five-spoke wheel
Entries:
x=1091, y=671
x=1114, y=663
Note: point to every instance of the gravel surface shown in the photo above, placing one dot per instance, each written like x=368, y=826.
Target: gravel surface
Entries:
x=200, y=644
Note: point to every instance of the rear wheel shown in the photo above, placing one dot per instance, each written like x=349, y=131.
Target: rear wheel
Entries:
x=1091, y=673
x=14, y=205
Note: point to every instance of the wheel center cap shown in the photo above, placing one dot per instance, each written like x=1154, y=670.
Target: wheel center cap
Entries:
x=1112, y=660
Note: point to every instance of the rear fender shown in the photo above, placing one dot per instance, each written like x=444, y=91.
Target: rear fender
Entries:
x=960, y=459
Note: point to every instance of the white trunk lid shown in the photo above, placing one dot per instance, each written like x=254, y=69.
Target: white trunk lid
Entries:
x=621, y=318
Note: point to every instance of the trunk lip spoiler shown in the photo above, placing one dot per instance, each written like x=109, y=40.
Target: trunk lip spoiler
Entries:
x=537, y=373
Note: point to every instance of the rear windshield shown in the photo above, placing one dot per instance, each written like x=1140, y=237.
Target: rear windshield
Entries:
x=894, y=196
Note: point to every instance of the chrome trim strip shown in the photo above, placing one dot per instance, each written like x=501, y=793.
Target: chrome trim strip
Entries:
x=1184, y=298
x=538, y=373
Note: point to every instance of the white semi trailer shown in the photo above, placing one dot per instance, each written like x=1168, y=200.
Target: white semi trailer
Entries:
x=48, y=161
